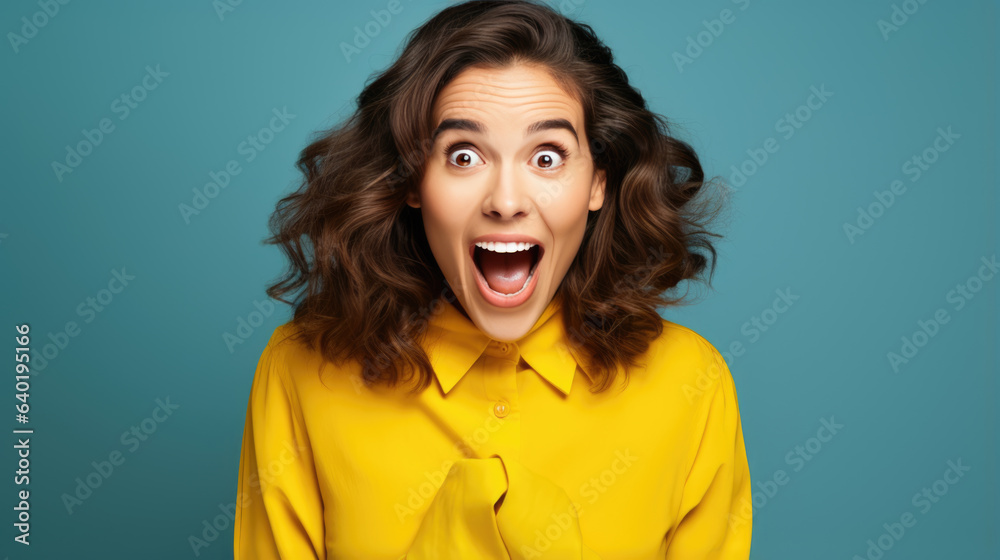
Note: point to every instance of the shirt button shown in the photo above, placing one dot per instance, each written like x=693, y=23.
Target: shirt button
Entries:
x=504, y=347
x=501, y=409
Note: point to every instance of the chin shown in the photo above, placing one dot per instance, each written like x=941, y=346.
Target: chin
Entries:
x=505, y=324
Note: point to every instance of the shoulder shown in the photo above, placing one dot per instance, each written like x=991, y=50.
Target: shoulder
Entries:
x=285, y=338
x=679, y=343
x=299, y=365
x=284, y=344
x=684, y=357
x=285, y=352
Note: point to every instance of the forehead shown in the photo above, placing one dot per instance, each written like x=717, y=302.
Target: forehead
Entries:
x=521, y=92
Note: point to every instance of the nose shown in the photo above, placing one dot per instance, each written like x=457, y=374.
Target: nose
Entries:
x=506, y=196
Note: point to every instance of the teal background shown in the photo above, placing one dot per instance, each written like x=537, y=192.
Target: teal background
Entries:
x=826, y=355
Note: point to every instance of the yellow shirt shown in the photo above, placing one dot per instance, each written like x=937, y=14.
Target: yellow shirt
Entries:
x=507, y=455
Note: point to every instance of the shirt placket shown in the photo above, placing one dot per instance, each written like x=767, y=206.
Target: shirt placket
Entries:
x=502, y=407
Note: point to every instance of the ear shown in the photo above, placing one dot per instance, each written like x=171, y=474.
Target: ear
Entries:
x=597, y=190
x=413, y=199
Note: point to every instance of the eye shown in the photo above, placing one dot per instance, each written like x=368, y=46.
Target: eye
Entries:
x=463, y=157
x=550, y=158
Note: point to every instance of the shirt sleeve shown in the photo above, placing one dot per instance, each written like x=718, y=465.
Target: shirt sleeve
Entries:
x=279, y=511
x=716, y=508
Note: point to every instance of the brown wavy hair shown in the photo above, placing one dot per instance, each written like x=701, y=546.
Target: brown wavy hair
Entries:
x=361, y=271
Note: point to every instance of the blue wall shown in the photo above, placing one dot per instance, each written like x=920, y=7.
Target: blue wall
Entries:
x=860, y=141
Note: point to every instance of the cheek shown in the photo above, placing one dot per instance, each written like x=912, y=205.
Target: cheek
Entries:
x=445, y=210
x=565, y=209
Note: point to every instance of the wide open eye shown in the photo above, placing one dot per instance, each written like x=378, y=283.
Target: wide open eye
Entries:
x=549, y=159
x=464, y=157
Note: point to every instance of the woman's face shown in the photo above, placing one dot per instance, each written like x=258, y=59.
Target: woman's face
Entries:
x=510, y=163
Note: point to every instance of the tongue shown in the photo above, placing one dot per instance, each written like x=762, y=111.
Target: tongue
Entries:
x=505, y=272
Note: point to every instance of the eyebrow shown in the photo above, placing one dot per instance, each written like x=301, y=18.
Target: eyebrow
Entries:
x=476, y=126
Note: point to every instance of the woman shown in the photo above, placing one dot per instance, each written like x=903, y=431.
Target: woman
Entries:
x=476, y=367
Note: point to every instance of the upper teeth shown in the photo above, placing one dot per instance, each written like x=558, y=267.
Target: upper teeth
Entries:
x=504, y=247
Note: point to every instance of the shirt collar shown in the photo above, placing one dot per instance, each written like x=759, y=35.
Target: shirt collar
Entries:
x=454, y=343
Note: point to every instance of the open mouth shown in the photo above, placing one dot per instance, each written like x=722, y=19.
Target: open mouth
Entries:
x=506, y=269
